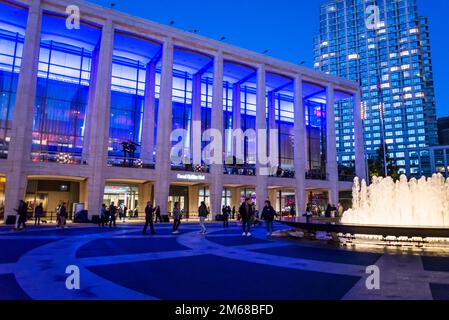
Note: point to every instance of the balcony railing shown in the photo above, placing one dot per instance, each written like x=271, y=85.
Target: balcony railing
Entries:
x=57, y=157
x=203, y=168
x=284, y=173
x=316, y=175
x=129, y=163
x=240, y=170
x=346, y=177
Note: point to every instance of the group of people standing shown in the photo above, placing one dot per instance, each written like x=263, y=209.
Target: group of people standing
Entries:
x=248, y=214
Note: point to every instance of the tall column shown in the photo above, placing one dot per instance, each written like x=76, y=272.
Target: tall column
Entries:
x=163, y=146
x=235, y=197
x=236, y=115
x=261, y=124
x=22, y=126
x=331, y=146
x=359, y=144
x=90, y=102
x=195, y=134
x=99, y=105
x=144, y=196
x=216, y=190
x=300, y=155
x=147, y=148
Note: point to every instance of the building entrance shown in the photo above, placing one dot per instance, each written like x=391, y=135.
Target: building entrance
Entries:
x=179, y=194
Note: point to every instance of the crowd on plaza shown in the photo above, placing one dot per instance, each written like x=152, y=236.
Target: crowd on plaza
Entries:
x=247, y=214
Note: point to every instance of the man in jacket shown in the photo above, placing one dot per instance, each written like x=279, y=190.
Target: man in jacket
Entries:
x=112, y=214
x=149, y=210
x=203, y=213
x=246, y=213
x=22, y=215
x=38, y=212
x=63, y=215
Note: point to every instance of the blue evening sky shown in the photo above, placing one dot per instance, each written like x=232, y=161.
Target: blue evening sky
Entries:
x=284, y=27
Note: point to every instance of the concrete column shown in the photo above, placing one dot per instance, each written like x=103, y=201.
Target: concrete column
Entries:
x=236, y=114
x=235, y=198
x=271, y=110
x=261, y=124
x=196, y=134
x=331, y=146
x=100, y=102
x=90, y=102
x=300, y=154
x=147, y=148
x=272, y=198
x=193, y=201
x=22, y=126
x=359, y=144
x=163, y=146
x=144, y=196
x=216, y=188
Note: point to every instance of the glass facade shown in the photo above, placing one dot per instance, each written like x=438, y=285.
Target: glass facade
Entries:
x=63, y=82
x=132, y=57
x=392, y=63
x=12, y=33
x=284, y=117
x=316, y=131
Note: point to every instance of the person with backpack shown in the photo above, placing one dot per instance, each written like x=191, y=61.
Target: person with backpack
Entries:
x=203, y=212
x=268, y=214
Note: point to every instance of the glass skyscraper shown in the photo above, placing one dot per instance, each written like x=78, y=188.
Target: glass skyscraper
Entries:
x=384, y=46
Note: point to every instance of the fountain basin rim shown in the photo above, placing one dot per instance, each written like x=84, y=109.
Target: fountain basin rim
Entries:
x=395, y=231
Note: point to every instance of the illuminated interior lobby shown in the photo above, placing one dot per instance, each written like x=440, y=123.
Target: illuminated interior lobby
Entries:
x=86, y=115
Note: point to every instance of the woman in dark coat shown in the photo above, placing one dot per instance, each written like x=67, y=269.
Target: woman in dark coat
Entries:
x=268, y=214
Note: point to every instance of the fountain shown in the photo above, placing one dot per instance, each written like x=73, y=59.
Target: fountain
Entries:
x=414, y=203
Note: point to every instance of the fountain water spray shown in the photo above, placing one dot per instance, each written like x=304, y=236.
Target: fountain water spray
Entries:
x=414, y=203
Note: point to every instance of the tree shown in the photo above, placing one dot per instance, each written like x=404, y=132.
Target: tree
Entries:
x=376, y=165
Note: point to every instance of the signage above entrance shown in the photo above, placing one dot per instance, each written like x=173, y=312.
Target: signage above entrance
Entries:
x=191, y=177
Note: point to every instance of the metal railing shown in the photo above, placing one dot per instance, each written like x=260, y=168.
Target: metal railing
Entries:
x=57, y=157
x=241, y=170
x=129, y=163
x=316, y=175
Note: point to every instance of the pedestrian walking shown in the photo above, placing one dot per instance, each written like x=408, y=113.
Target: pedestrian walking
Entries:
x=63, y=215
x=225, y=212
x=158, y=215
x=203, y=212
x=246, y=214
x=38, y=212
x=268, y=214
x=103, y=213
x=22, y=212
x=112, y=215
x=177, y=215
x=149, y=210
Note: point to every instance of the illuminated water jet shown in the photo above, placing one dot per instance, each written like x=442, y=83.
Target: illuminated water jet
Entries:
x=414, y=203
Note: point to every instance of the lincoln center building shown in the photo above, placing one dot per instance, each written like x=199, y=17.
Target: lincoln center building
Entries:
x=87, y=113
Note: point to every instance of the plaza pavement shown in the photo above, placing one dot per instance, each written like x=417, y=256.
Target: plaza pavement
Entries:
x=121, y=263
